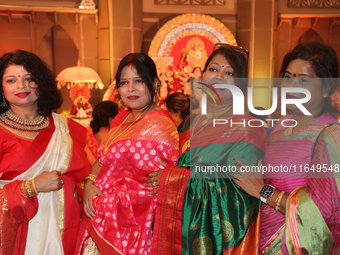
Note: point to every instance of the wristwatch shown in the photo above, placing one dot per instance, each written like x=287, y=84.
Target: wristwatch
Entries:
x=266, y=192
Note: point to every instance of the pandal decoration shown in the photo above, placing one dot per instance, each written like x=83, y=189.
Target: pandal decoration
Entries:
x=11, y=120
x=81, y=107
x=197, y=55
x=187, y=25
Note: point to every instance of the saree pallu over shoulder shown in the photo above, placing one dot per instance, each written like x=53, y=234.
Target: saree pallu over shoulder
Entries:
x=153, y=127
x=312, y=219
x=209, y=215
x=125, y=213
x=45, y=229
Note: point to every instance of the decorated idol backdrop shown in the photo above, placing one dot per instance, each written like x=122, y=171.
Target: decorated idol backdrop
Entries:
x=181, y=47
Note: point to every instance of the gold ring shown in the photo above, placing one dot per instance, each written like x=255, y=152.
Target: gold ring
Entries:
x=85, y=205
x=154, y=184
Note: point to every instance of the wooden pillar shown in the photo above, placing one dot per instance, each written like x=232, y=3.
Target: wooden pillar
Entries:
x=120, y=33
x=255, y=31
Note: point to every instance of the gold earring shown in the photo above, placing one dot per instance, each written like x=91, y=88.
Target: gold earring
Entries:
x=120, y=101
x=325, y=95
x=4, y=103
x=154, y=99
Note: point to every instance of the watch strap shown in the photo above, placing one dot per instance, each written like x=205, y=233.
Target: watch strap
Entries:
x=263, y=199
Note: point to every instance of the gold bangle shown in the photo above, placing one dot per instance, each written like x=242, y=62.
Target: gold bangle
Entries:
x=28, y=188
x=34, y=188
x=91, y=177
x=278, y=201
x=24, y=187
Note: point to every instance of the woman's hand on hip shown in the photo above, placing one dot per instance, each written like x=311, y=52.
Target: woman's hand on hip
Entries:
x=250, y=182
x=89, y=191
x=49, y=181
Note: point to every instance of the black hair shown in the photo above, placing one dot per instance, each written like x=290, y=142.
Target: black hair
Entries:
x=178, y=102
x=145, y=67
x=324, y=62
x=49, y=97
x=238, y=62
x=101, y=114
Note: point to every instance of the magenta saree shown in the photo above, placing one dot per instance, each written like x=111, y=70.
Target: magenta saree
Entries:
x=125, y=214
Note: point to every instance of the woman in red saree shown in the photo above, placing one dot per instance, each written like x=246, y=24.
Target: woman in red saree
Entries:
x=42, y=159
x=300, y=210
x=119, y=209
x=206, y=213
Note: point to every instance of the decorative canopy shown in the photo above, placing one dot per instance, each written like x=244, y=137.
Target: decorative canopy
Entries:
x=79, y=75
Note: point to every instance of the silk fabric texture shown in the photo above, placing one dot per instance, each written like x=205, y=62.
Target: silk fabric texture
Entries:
x=312, y=220
x=46, y=220
x=125, y=213
x=209, y=214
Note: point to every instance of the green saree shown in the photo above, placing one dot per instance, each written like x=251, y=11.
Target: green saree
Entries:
x=205, y=212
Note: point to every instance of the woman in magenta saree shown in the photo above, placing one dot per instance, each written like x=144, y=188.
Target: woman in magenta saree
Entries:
x=301, y=209
x=123, y=208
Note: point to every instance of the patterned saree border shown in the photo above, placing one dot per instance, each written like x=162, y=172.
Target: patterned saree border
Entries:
x=272, y=239
x=168, y=217
x=292, y=233
x=104, y=246
x=152, y=128
x=247, y=245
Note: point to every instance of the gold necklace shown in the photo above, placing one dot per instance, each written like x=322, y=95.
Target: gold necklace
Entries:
x=11, y=120
x=207, y=121
x=111, y=138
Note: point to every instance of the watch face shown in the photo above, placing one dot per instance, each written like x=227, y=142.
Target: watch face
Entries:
x=267, y=191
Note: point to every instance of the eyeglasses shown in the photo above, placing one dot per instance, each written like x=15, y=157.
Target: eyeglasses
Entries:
x=244, y=52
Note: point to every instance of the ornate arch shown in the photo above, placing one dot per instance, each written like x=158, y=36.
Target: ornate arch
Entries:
x=187, y=25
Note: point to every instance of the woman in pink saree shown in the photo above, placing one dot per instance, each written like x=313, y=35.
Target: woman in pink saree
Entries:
x=119, y=209
x=300, y=213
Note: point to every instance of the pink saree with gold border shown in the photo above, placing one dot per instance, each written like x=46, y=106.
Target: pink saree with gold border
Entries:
x=125, y=213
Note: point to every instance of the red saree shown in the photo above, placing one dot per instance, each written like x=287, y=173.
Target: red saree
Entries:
x=18, y=156
x=125, y=213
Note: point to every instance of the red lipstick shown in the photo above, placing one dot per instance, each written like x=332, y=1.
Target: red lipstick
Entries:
x=22, y=95
x=133, y=97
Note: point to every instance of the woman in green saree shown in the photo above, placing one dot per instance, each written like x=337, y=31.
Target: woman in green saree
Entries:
x=206, y=213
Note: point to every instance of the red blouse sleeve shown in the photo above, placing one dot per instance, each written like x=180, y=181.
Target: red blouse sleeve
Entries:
x=11, y=148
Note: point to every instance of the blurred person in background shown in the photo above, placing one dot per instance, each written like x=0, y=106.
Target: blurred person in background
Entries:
x=103, y=115
x=178, y=105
